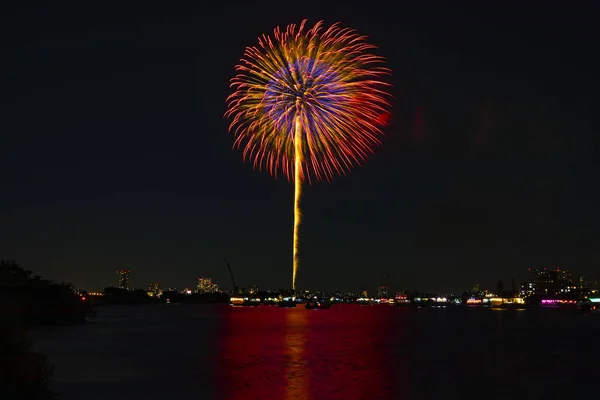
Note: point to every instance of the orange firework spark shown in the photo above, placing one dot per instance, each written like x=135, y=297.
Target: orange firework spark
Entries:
x=308, y=103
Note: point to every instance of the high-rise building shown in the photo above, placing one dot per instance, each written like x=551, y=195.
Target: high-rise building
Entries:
x=154, y=289
x=588, y=285
x=123, y=279
x=543, y=281
x=206, y=285
x=382, y=291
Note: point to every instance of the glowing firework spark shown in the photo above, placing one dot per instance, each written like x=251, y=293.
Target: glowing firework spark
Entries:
x=308, y=104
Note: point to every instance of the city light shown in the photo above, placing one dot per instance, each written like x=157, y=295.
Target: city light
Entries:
x=237, y=300
x=123, y=279
x=475, y=301
x=555, y=284
x=557, y=301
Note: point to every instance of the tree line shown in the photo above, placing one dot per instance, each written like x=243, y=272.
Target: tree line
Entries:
x=28, y=301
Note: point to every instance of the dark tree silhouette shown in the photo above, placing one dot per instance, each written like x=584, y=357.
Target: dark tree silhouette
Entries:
x=113, y=295
x=28, y=300
x=23, y=374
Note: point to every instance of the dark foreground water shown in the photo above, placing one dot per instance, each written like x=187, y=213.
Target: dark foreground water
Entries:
x=347, y=352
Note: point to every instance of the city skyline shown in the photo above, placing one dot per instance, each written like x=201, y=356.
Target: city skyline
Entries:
x=535, y=281
x=115, y=151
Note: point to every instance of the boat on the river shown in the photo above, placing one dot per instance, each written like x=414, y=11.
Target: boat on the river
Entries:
x=317, y=304
x=245, y=301
x=287, y=302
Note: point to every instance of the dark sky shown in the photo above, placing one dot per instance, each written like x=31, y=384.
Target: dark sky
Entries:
x=114, y=152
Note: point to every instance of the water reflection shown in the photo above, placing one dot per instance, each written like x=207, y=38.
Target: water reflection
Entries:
x=250, y=340
x=347, y=352
x=295, y=341
x=279, y=353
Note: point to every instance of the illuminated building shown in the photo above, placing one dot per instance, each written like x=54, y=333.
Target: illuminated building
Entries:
x=476, y=292
x=154, y=289
x=382, y=291
x=206, y=285
x=588, y=286
x=123, y=279
x=548, y=282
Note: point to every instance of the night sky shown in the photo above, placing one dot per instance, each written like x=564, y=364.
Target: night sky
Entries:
x=115, y=154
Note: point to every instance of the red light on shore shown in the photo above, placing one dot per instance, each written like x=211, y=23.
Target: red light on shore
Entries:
x=83, y=298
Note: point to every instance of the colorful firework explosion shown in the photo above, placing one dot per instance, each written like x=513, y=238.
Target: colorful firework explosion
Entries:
x=309, y=104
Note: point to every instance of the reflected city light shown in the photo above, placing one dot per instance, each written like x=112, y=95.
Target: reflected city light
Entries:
x=295, y=353
x=296, y=368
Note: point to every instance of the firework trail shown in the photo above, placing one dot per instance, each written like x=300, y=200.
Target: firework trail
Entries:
x=308, y=104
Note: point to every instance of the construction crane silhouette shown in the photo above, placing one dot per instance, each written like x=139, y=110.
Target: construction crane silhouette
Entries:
x=235, y=288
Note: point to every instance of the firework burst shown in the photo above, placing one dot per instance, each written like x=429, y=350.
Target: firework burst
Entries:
x=308, y=104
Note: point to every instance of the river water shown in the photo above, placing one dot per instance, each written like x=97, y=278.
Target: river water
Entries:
x=347, y=352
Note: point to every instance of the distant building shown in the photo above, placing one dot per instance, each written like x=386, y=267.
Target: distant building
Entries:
x=253, y=289
x=123, y=279
x=588, y=286
x=154, y=289
x=476, y=292
x=206, y=285
x=382, y=291
x=550, y=282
